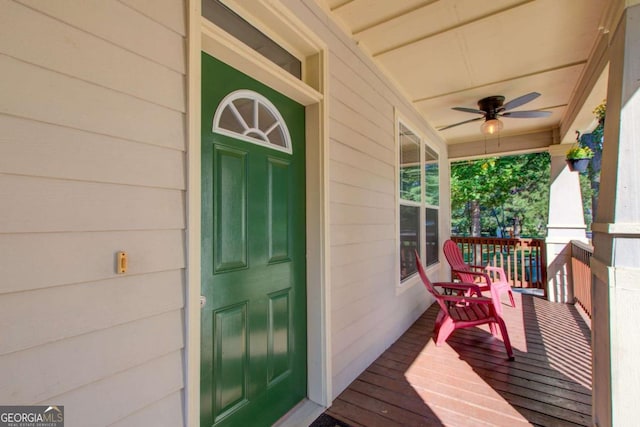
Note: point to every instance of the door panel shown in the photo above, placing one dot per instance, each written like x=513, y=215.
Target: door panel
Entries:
x=253, y=352
x=230, y=209
x=230, y=358
x=279, y=206
x=279, y=351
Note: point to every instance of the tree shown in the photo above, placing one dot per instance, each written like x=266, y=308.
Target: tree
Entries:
x=500, y=194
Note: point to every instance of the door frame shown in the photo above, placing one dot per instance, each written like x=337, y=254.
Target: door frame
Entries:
x=280, y=24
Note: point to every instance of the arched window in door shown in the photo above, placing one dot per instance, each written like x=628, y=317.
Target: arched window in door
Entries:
x=251, y=117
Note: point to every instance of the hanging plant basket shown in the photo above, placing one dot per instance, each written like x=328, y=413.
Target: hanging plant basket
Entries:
x=578, y=158
x=578, y=165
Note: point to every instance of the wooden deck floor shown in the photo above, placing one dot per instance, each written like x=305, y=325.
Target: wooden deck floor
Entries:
x=469, y=381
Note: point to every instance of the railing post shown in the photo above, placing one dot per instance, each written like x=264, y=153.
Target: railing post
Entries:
x=523, y=260
x=581, y=269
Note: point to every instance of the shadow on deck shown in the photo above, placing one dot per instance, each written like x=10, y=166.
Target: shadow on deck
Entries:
x=469, y=382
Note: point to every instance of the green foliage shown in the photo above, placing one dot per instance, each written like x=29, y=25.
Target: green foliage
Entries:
x=410, y=183
x=579, y=152
x=432, y=184
x=601, y=110
x=587, y=193
x=590, y=183
x=512, y=191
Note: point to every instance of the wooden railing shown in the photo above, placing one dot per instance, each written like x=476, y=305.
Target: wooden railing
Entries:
x=581, y=272
x=523, y=260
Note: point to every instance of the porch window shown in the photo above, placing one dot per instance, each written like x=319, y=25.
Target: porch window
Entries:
x=418, y=202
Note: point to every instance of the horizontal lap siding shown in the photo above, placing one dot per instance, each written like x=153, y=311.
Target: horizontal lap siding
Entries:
x=366, y=313
x=42, y=95
x=164, y=413
x=40, y=149
x=105, y=303
x=92, y=161
x=117, y=396
x=362, y=193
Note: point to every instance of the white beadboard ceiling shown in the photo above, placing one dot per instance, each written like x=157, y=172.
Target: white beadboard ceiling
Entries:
x=451, y=53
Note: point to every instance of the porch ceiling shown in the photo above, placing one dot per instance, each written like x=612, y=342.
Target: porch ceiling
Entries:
x=447, y=53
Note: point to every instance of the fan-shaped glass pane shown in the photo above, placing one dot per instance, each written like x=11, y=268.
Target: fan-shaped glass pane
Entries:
x=245, y=108
x=277, y=137
x=249, y=116
x=229, y=121
x=266, y=120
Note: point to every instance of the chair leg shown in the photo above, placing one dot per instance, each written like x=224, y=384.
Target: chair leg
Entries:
x=446, y=328
x=493, y=329
x=505, y=337
x=495, y=296
x=513, y=302
x=438, y=322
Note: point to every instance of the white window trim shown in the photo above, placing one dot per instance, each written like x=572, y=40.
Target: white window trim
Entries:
x=257, y=99
x=412, y=280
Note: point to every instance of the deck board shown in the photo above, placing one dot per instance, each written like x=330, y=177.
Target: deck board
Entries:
x=468, y=381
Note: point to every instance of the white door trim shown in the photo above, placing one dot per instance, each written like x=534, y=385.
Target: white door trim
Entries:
x=204, y=36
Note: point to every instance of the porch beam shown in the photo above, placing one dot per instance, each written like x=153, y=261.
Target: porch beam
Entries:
x=503, y=145
x=579, y=114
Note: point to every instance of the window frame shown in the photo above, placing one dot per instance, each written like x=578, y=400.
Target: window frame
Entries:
x=425, y=143
x=256, y=99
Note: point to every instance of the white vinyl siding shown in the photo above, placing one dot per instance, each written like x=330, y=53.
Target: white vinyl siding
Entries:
x=92, y=162
x=366, y=313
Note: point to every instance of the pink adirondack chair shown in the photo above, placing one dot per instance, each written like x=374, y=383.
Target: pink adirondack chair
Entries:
x=469, y=273
x=463, y=311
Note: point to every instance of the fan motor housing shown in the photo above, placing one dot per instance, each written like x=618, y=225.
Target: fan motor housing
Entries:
x=491, y=105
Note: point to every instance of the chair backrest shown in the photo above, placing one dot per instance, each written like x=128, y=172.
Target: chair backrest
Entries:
x=427, y=283
x=454, y=257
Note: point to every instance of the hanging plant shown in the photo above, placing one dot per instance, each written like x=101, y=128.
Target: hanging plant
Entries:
x=601, y=111
x=578, y=158
x=579, y=152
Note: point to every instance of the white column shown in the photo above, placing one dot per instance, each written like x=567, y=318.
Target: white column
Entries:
x=616, y=261
x=566, y=223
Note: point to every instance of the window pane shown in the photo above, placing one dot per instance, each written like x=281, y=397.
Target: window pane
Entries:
x=235, y=25
x=431, y=180
x=409, y=165
x=409, y=239
x=431, y=234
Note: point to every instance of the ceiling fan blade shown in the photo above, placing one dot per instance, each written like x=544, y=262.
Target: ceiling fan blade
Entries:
x=521, y=100
x=469, y=110
x=526, y=114
x=461, y=123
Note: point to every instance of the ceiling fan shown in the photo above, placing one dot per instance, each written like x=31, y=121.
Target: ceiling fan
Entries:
x=493, y=107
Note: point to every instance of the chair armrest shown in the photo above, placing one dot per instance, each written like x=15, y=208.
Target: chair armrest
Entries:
x=467, y=300
x=501, y=274
x=460, y=286
x=482, y=274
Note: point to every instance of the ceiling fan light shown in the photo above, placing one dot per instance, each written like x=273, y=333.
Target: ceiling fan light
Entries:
x=491, y=126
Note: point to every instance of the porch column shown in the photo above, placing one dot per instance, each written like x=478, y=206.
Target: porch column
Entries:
x=566, y=223
x=615, y=264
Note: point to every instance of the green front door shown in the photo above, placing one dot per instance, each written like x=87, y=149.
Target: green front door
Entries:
x=253, y=351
